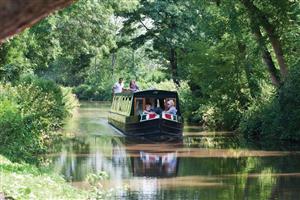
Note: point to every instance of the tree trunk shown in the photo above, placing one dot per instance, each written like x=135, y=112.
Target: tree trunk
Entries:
x=16, y=15
x=266, y=56
x=252, y=83
x=256, y=14
x=274, y=39
x=173, y=65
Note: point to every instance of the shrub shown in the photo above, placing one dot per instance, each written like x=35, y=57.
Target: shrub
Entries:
x=289, y=100
x=83, y=92
x=219, y=117
x=261, y=120
x=16, y=141
x=30, y=112
x=70, y=100
x=41, y=103
x=87, y=92
x=277, y=115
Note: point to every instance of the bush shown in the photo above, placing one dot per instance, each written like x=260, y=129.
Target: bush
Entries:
x=276, y=116
x=16, y=141
x=289, y=100
x=261, y=120
x=87, y=92
x=42, y=104
x=70, y=100
x=219, y=117
x=30, y=112
x=83, y=92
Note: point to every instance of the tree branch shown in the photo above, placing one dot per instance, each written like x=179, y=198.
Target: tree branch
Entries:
x=16, y=15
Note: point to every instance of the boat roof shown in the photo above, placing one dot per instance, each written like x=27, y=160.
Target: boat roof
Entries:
x=151, y=93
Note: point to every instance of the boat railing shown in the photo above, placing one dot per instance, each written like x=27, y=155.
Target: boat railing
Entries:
x=153, y=115
x=169, y=116
x=149, y=116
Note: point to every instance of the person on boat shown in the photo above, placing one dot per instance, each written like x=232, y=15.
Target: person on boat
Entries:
x=171, y=107
x=148, y=109
x=133, y=86
x=118, y=86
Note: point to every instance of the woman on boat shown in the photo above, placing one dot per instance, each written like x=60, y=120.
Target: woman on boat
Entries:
x=133, y=86
x=171, y=107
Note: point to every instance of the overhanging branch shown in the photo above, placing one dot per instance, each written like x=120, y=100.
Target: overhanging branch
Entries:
x=16, y=15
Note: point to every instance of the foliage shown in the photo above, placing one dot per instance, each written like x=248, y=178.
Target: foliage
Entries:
x=262, y=119
x=224, y=53
x=13, y=60
x=289, y=101
x=30, y=112
x=93, y=179
x=71, y=103
x=41, y=102
x=276, y=116
x=167, y=25
x=23, y=181
x=15, y=140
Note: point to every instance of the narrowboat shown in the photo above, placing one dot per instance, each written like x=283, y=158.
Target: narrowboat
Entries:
x=128, y=114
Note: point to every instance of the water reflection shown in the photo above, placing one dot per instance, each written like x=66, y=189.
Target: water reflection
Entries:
x=155, y=165
x=201, y=166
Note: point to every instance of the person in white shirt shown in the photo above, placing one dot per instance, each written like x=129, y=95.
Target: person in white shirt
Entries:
x=118, y=86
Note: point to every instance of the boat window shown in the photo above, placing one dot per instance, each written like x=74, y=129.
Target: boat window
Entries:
x=139, y=105
x=157, y=103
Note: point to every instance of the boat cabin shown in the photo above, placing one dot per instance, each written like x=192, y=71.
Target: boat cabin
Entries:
x=128, y=111
x=131, y=104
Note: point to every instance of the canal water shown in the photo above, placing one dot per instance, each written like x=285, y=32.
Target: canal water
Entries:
x=204, y=165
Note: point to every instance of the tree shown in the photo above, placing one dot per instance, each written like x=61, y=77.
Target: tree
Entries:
x=259, y=18
x=168, y=25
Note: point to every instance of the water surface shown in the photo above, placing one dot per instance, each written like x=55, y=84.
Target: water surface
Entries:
x=204, y=165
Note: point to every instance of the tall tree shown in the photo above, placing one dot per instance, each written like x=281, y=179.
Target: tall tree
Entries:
x=167, y=24
x=259, y=18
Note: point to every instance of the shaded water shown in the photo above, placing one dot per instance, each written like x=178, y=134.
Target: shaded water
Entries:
x=203, y=165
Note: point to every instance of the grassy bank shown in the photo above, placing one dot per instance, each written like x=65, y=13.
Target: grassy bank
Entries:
x=24, y=181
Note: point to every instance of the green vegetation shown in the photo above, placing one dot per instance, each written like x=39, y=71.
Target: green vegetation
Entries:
x=233, y=63
x=237, y=58
x=23, y=181
x=277, y=114
x=30, y=113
